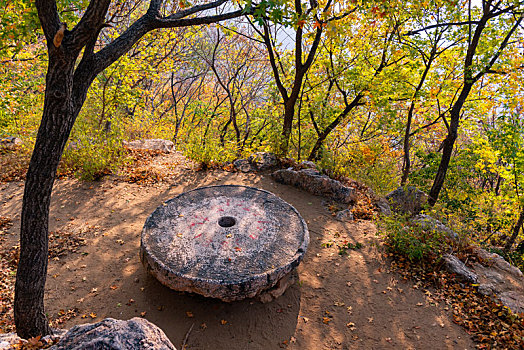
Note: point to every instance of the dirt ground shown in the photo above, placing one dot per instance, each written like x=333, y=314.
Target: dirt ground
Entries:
x=347, y=301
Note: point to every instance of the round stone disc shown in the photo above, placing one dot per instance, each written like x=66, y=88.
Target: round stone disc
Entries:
x=228, y=242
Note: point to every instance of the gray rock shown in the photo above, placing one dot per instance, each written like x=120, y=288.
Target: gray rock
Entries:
x=151, y=145
x=514, y=300
x=495, y=259
x=282, y=285
x=345, y=215
x=313, y=181
x=111, y=334
x=487, y=289
x=263, y=160
x=429, y=223
x=227, y=242
x=457, y=267
x=10, y=142
x=243, y=165
x=407, y=200
x=383, y=206
x=307, y=164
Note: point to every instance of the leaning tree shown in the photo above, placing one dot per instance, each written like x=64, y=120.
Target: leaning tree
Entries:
x=76, y=57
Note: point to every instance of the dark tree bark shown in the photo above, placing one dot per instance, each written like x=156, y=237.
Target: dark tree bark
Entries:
x=301, y=65
x=515, y=233
x=66, y=91
x=489, y=11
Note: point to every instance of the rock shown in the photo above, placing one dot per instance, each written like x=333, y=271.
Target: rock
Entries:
x=282, y=285
x=111, y=334
x=10, y=340
x=151, y=145
x=345, y=215
x=307, y=164
x=457, y=267
x=243, y=165
x=263, y=160
x=227, y=242
x=429, y=223
x=495, y=259
x=10, y=142
x=513, y=300
x=313, y=181
x=407, y=200
x=383, y=206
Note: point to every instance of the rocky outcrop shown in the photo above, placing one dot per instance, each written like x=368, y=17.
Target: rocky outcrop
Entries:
x=111, y=334
x=407, y=200
x=151, y=145
x=429, y=223
x=313, y=181
x=457, y=267
x=495, y=277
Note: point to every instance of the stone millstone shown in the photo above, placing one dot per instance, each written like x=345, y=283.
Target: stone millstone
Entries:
x=227, y=242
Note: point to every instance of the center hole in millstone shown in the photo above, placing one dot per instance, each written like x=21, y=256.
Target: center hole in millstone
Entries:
x=227, y=221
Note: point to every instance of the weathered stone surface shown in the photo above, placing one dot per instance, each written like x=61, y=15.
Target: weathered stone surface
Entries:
x=151, y=145
x=345, y=215
x=407, y=200
x=227, y=242
x=307, y=164
x=383, y=206
x=282, y=285
x=111, y=334
x=495, y=259
x=457, y=267
x=263, y=160
x=429, y=223
x=243, y=165
x=313, y=181
x=500, y=280
x=514, y=300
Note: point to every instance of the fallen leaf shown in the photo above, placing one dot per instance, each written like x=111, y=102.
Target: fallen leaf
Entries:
x=223, y=322
x=189, y=314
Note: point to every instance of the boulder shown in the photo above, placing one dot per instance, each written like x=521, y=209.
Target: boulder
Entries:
x=345, y=215
x=382, y=206
x=111, y=334
x=10, y=142
x=313, y=181
x=407, y=200
x=243, y=165
x=151, y=145
x=457, y=267
x=429, y=223
x=263, y=160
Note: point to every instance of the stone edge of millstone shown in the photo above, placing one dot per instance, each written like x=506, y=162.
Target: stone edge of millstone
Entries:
x=247, y=288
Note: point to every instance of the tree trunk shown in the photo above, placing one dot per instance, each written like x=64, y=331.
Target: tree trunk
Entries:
x=57, y=121
x=287, y=126
x=516, y=230
x=449, y=142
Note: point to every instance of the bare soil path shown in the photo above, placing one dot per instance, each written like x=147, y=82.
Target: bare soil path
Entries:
x=348, y=301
